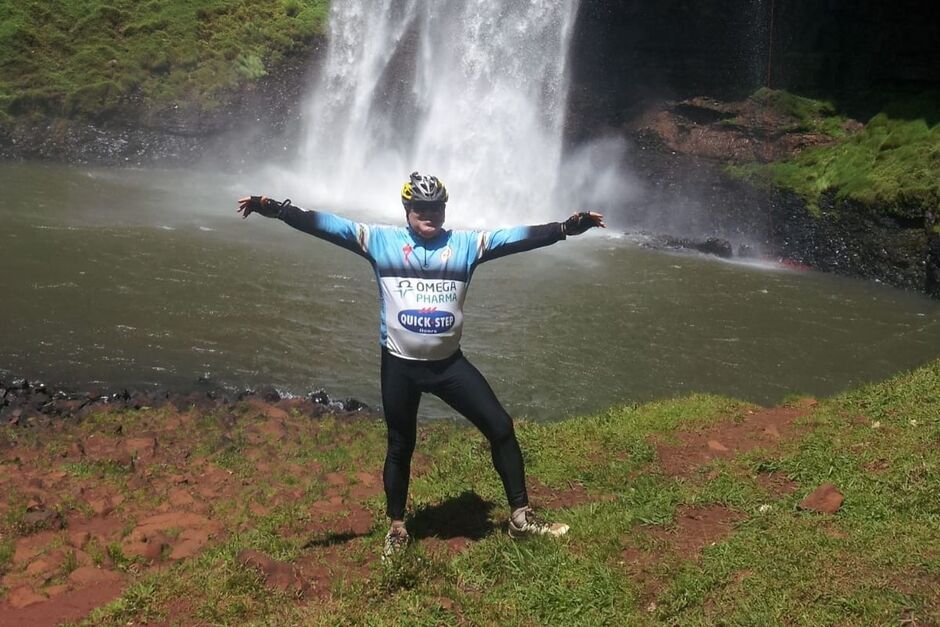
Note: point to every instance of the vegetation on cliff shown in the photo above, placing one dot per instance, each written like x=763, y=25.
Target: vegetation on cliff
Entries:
x=891, y=165
x=682, y=512
x=88, y=58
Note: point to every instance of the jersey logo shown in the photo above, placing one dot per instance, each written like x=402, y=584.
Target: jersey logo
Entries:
x=446, y=253
x=427, y=321
x=407, y=249
x=404, y=288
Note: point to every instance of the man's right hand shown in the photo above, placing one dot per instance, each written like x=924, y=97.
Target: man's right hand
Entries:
x=261, y=204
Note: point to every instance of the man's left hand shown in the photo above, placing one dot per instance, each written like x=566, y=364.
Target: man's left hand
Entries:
x=578, y=223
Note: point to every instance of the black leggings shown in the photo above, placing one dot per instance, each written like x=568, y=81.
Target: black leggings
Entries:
x=456, y=382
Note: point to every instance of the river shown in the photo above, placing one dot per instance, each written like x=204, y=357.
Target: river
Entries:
x=139, y=278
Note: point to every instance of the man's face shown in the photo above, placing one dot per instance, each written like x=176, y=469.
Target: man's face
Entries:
x=426, y=218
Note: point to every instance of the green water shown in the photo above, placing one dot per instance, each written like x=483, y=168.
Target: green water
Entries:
x=140, y=278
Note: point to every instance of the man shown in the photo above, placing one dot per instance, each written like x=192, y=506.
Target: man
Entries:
x=423, y=271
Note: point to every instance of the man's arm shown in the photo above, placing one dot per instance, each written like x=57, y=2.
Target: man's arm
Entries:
x=336, y=229
x=502, y=242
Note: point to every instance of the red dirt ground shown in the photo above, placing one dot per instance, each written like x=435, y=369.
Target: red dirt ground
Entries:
x=147, y=494
x=761, y=429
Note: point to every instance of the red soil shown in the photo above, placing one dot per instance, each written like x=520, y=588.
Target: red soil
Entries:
x=144, y=496
x=760, y=429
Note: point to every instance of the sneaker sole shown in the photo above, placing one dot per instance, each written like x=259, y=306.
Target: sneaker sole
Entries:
x=516, y=535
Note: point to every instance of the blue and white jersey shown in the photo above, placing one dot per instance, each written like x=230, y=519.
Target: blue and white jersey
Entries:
x=422, y=282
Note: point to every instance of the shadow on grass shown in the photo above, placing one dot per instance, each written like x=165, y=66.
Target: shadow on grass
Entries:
x=333, y=539
x=463, y=516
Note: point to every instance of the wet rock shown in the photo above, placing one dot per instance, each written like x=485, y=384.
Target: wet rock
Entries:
x=269, y=394
x=320, y=397
x=196, y=400
x=825, y=499
x=353, y=405
x=711, y=246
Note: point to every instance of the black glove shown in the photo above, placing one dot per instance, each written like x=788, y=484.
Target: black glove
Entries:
x=581, y=222
x=267, y=207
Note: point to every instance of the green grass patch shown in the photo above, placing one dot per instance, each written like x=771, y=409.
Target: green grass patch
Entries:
x=6, y=553
x=876, y=561
x=96, y=468
x=85, y=58
x=893, y=164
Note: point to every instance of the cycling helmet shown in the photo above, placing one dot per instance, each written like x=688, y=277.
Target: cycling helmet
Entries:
x=423, y=188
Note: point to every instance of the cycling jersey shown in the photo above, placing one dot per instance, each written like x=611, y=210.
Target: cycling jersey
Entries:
x=422, y=282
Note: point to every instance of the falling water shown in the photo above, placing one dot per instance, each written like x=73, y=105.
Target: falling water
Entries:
x=473, y=91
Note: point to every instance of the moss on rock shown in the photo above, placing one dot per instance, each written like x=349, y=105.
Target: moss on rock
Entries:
x=83, y=58
x=892, y=165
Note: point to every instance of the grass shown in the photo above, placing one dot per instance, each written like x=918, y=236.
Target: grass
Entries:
x=875, y=562
x=91, y=58
x=892, y=165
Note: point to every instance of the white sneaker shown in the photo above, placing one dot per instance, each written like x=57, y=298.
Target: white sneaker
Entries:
x=535, y=526
x=396, y=541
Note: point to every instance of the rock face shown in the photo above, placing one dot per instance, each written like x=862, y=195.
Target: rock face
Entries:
x=626, y=53
x=252, y=125
x=743, y=130
x=688, y=199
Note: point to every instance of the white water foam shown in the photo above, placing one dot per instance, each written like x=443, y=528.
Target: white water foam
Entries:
x=473, y=91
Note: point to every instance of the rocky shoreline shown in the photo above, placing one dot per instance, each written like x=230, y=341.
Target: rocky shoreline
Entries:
x=252, y=124
x=25, y=403
x=680, y=153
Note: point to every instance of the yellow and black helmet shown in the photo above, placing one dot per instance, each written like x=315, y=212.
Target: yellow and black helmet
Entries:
x=423, y=188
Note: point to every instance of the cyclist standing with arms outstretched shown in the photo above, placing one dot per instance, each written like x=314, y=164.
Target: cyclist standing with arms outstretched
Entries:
x=423, y=272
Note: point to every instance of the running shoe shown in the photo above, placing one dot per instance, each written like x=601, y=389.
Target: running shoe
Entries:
x=533, y=525
x=396, y=541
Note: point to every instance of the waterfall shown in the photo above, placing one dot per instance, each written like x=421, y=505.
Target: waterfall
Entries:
x=472, y=91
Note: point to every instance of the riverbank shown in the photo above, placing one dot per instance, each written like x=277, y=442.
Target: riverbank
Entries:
x=681, y=511
x=795, y=181
x=128, y=83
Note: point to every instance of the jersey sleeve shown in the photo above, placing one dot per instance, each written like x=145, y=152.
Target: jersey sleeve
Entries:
x=352, y=236
x=502, y=242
